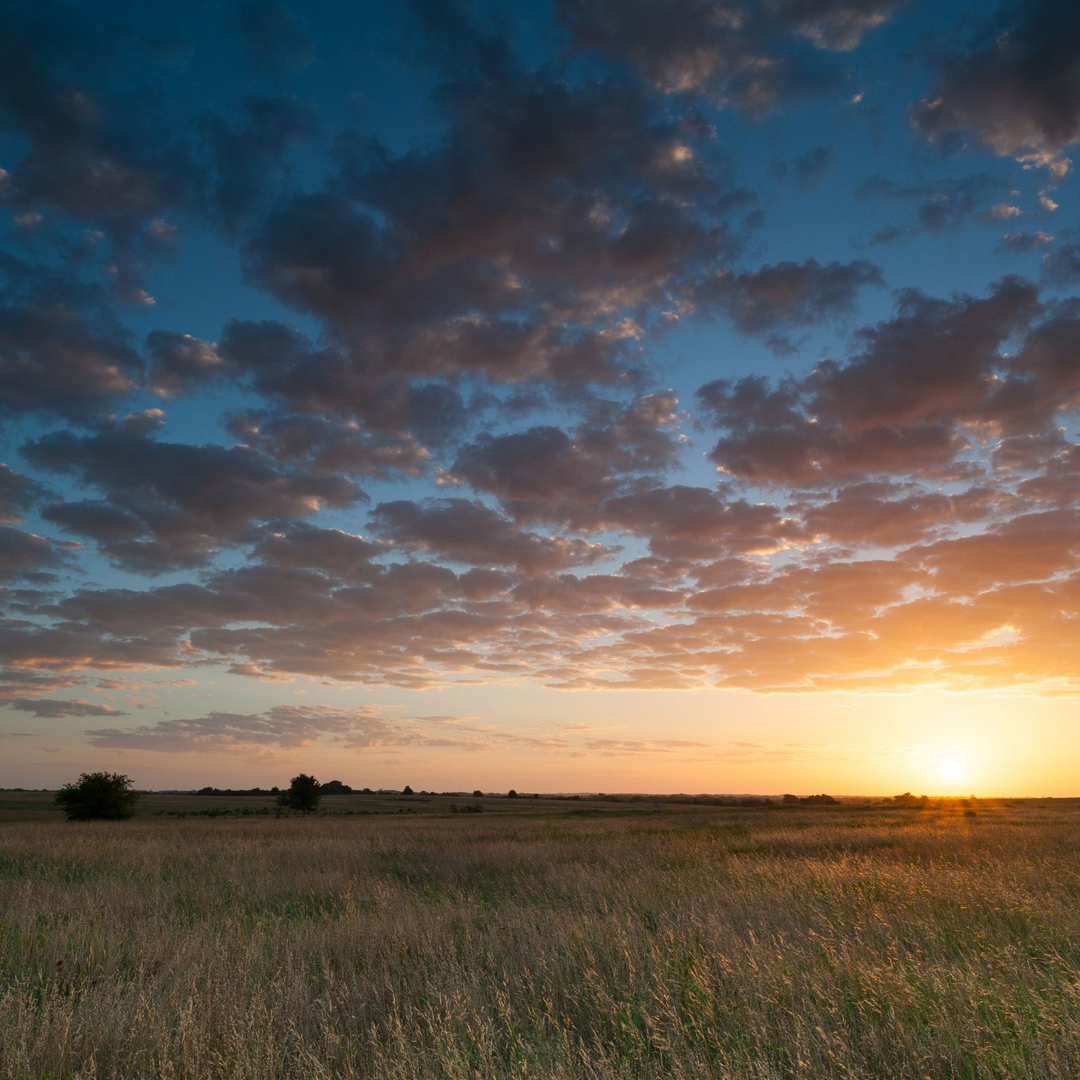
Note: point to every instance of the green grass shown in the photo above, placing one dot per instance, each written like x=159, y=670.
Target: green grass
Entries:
x=533, y=941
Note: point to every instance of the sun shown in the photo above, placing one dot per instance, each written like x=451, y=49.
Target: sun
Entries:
x=951, y=769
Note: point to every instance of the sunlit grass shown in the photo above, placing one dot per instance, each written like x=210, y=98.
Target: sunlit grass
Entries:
x=803, y=943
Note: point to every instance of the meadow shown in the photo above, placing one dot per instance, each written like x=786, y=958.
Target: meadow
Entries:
x=542, y=940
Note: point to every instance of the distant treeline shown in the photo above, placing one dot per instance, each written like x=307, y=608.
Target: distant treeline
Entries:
x=331, y=787
x=336, y=787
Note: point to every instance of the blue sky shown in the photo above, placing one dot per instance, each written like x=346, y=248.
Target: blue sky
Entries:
x=680, y=394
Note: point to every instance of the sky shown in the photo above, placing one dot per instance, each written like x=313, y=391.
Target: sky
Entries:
x=594, y=395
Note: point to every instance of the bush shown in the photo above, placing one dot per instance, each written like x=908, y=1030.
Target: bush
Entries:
x=101, y=796
x=304, y=794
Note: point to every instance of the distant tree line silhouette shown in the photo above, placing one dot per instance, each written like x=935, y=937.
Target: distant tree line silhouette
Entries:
x=112, y=796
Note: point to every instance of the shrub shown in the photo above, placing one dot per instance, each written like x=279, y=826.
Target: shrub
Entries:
x=98, y=796
x=304, y=794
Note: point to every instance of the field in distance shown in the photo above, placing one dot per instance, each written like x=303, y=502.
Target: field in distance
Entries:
x=541, y=938
x=40, y=805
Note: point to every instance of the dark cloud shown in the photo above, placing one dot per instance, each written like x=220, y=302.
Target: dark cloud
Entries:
x=810, y=168
x=1013, y=85
x=940, y=206
x=889, y=515
x=62, y=350
x=329, y=446
x=1061, y=267
x=282, y=364
x=343, y=556
x=17, y=494
x=275, y=39
x=28, y=556
x=104, y=137
x=469, y=532
x=174, y=504
x=179, y=362
x=55, y=708
x=545, y=474
x=833, y=24
x=533, y=471
x=745, y=55
x=907, y=507
x=247, y=159
x=898, y=405
x=95, y=144
x=541, y=236
x=684, y=522
x=787, y=295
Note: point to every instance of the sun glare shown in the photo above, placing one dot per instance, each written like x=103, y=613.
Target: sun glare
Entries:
x=951, y=769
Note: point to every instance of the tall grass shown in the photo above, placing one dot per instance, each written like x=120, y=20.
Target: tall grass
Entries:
x=848, y=943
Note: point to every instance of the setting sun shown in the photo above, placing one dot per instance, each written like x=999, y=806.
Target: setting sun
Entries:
x=951, y=769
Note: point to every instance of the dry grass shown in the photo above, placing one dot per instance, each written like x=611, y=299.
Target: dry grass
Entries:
x=843, y=943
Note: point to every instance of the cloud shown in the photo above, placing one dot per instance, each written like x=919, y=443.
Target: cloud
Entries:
x=94, y=144
x=685, y=522
x=469, y=532
x=275, y=39
x=248, y=159
x=787, y=295
x=540, y=237
x=903, y=403
x=18, y=493
x=1018, y=242
x=174, y=504
x=545, y=474
x=281, y=728
x=1012, y=86
x=62, y=350
x=301, y=546
x=746, y=56
x=810, y=168
x=482, y=314
x=179, y=362
x=330, y=447
x=1061, y=267
x=283, y=365
x=54, y=708
x=27, y=555
x=942, y=206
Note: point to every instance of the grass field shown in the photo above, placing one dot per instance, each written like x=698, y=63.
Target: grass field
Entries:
x=542, y=940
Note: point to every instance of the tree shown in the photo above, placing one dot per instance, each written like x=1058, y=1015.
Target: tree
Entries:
x=98, y=796
x=511, y=794
x=407, y=790
x=336, y=787
x=478, y=794
x=303, y=794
